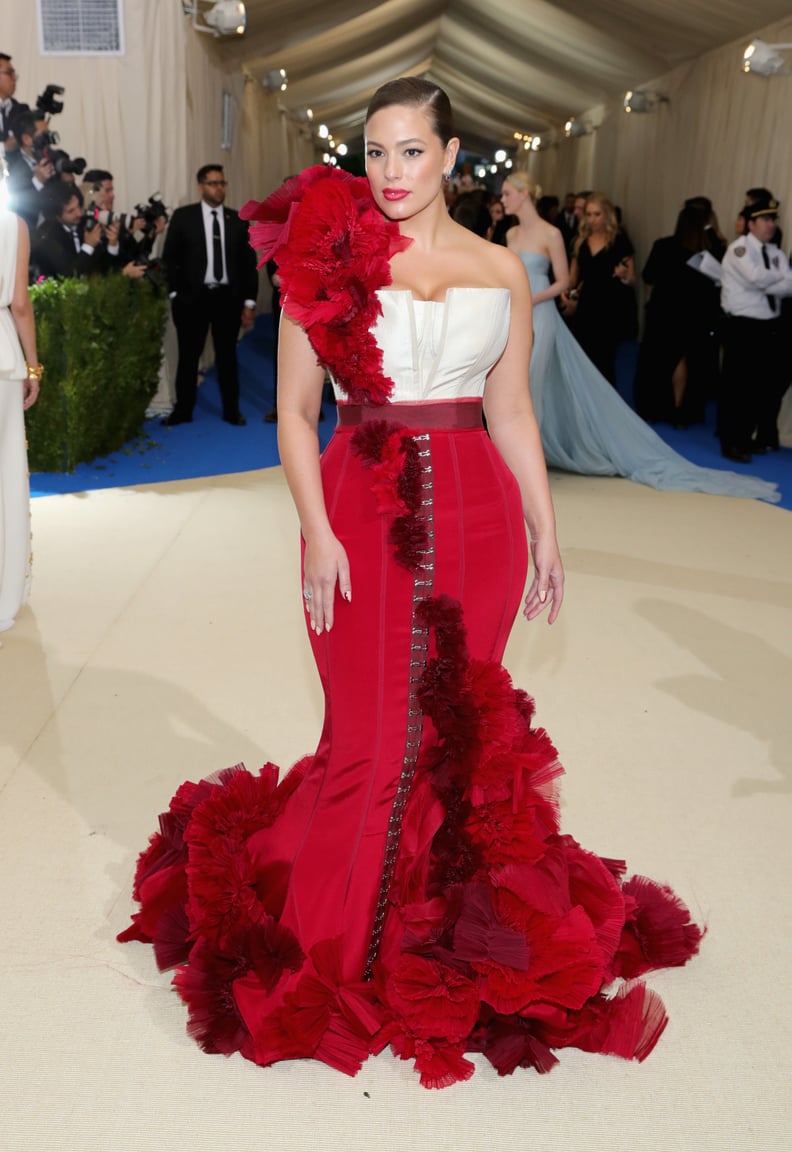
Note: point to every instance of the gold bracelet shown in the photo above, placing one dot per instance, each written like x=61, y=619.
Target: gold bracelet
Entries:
x=35, y=372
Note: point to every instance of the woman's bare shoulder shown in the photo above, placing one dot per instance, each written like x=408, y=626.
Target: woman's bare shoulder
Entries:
x=506, y=265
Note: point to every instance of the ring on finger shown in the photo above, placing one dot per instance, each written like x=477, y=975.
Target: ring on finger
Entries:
x=307, y=594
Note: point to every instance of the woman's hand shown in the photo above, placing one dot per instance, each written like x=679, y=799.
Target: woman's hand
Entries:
x=569, y=301
x=325, y=565
x=30, y=391
x=548, y=581
x=625, y=271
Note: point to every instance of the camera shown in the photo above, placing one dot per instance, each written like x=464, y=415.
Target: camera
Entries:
x=45, y=149
x=46, y=102
x=150, y=212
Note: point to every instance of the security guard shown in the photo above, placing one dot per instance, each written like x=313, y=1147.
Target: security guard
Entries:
x=755, y=275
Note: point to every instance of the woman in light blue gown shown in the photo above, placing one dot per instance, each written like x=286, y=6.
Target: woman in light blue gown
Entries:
x=586, y=426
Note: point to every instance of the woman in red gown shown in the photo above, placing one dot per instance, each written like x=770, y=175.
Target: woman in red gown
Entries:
x=407, y=884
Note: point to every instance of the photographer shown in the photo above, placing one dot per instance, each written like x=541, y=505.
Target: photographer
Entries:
x=74, y=243
x=9, y=107
x=143, y=228
x=28, y=172
x=99, y=194
x=138, y=229
x=68, y=244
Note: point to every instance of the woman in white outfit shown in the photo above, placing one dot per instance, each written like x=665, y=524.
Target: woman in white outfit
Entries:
x=20, y=373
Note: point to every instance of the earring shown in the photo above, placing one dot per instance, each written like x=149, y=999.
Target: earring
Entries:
x=447, y=176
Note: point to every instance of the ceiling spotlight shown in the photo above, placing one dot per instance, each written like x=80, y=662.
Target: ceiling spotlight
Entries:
x=275, y=80
x=764, y=59
x=500, y=155
x=341, y=149
x=322, y=131
x=575, y=127
x=642, y=101
x=481, y=173
x=508, y=164
x=224, y=17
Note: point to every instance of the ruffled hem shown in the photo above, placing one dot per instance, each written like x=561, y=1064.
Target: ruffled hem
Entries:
x=502, y=936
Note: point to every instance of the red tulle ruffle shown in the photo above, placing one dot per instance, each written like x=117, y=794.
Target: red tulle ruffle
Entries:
x=333, y=249
x=503, y=936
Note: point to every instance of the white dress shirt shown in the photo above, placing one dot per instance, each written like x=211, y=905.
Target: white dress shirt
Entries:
x=747, y=283
x=208, y=222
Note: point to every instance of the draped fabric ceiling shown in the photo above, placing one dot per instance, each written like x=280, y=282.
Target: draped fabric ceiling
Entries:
x=508, y=65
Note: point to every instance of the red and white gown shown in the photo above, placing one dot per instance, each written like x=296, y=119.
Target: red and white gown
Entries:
x=408, y=884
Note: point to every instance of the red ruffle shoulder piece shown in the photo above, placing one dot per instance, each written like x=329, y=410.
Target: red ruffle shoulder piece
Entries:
x=333, y=249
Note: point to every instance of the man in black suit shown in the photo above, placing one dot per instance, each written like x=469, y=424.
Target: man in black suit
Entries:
x=213, y=283
x=59, y=247
x=9, y=107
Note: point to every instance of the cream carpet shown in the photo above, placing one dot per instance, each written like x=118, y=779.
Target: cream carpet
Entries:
x=164, y=640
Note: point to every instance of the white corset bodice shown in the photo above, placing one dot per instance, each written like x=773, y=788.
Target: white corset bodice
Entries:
x=435, y=350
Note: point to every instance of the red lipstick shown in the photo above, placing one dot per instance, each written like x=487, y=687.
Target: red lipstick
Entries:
x=395, y=193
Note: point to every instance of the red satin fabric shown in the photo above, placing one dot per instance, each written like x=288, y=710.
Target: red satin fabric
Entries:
x=334, y=833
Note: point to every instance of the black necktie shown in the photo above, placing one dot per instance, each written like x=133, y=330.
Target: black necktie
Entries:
x=771, y=300
x=217, y=248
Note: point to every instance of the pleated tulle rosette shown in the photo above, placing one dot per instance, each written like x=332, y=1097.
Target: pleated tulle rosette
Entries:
x=333, y=249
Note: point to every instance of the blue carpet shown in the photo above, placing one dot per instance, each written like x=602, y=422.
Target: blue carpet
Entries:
x=209, y=447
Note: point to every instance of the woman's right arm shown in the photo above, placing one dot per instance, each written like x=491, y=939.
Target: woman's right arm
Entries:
x=300, y=382
x=22, y=312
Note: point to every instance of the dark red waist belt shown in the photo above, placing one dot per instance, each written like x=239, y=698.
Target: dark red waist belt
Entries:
x=451, y=414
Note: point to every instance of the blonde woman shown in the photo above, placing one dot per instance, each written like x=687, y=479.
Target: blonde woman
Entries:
x=602, y=278
x=584, y=424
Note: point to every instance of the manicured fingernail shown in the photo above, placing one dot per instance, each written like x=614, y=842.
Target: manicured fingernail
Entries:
x=543, y=596
x=348, y=596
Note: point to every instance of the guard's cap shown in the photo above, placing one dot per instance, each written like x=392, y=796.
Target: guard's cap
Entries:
x=763, y=206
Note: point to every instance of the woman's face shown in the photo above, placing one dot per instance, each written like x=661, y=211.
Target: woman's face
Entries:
x=496, y=211
x=595, y=217
x=512, y=198
x=405, y=160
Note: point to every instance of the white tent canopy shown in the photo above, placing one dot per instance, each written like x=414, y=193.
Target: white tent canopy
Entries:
x=153, y=115
x=508, y=65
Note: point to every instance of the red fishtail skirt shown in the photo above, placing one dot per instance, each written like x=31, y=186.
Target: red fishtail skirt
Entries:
x=408, y=884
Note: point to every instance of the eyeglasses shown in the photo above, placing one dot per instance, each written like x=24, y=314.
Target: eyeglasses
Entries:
x=215, y=183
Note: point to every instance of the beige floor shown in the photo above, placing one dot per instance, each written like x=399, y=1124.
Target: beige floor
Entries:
x=164, y=640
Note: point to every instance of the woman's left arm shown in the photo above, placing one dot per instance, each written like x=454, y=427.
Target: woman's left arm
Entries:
x=22, y=312
x=514, y=431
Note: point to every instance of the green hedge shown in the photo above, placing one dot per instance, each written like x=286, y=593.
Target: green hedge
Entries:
x=100, y=341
